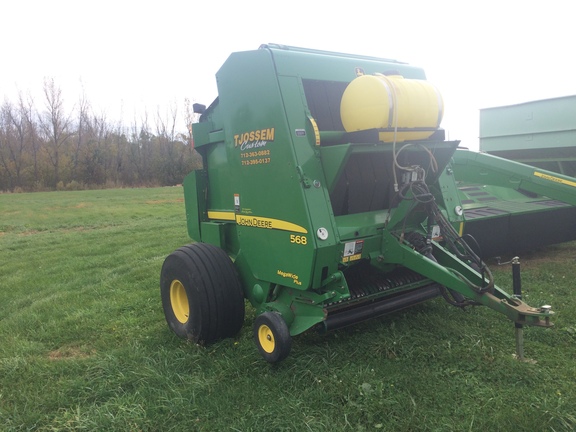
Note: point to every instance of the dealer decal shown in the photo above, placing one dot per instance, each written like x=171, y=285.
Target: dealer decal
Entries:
x=254, y=139
x=253, y=144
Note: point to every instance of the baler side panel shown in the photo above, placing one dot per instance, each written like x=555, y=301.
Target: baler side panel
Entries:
x=195, y=204
x=265, y=199
x=312, y=181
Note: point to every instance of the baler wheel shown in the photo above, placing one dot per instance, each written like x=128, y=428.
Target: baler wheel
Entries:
x=272, y=337
x=201, y=294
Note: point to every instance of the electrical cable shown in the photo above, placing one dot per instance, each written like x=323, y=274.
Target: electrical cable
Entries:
x=420, y=193
x=417, y=190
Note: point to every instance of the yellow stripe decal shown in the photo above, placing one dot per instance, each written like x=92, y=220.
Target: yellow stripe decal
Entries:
x=257, y=221
x=554, y=179
x=269, y=223
x=224, y=215
x=461, y=230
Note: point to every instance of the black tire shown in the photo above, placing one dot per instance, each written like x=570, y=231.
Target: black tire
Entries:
x=272, y=337
x=201, y=294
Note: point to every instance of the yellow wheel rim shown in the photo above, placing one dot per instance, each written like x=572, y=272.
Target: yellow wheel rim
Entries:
x=179, y=301
x=266, y=338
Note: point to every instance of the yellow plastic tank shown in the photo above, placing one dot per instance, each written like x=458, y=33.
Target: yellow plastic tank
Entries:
x=392, y=101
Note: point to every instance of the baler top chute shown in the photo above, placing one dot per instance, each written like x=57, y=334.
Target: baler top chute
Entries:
x=321, y=182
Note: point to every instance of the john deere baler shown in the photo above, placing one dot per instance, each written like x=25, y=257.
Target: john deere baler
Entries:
x=319, y=201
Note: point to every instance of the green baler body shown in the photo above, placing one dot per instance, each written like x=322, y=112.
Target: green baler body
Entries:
x=300, y=204
x=264, y=154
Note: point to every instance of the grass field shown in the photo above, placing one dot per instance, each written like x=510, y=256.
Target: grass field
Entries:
x=84, y=344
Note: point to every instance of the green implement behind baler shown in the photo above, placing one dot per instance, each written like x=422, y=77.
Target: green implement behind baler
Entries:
x=508, y=206
x=324, y=200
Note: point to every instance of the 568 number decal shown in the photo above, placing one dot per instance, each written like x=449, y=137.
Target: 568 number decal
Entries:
x=298, y=239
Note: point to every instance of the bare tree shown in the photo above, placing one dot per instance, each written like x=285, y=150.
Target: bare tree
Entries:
x=82, y=125
x=53, y=145
x=190, y=117
x=13, y=151
x=97, y=151
x=6, y=143
x=27, y=111
x=55, y=125
x=139, y=152
x=166, y=127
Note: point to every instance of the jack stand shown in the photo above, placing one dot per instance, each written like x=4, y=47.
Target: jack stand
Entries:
x=519, y=333
x=517, y=289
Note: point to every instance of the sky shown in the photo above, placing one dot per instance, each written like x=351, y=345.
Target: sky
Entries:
x=130, y=57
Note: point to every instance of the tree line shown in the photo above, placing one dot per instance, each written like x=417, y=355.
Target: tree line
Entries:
x=48, y=147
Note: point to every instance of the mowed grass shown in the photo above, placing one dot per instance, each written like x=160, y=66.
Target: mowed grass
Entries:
x=84, y=344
